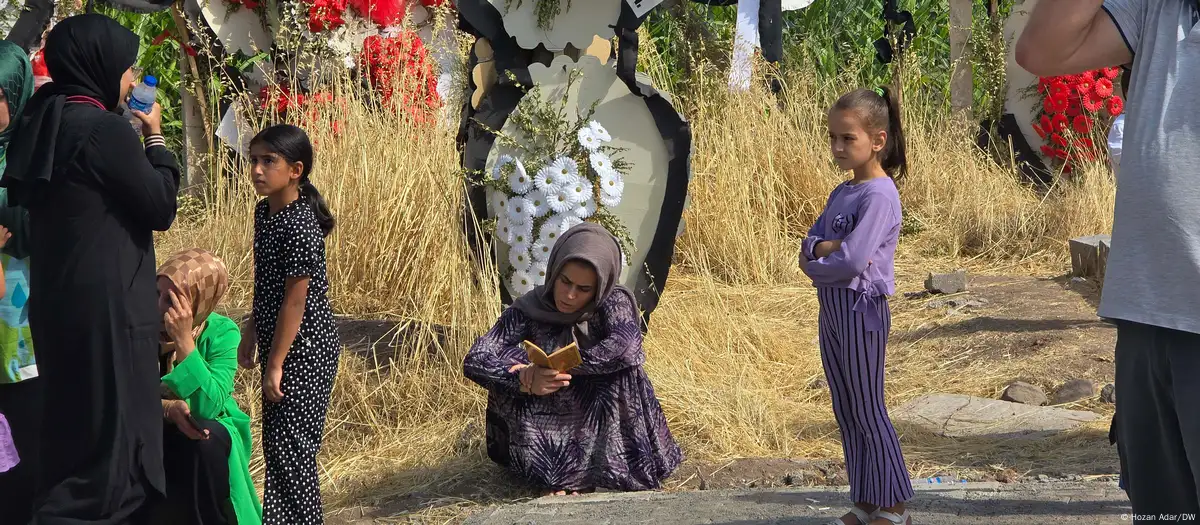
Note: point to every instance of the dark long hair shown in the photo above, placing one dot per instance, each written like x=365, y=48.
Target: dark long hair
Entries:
x=880, y=111
x=291, y=143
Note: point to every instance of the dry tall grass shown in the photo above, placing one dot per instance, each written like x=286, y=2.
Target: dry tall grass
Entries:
x=733, y=346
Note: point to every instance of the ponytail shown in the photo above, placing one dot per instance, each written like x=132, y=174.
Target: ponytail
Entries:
x=309, y=193
x=291, y=143
x=895, y=157
x=880, y=111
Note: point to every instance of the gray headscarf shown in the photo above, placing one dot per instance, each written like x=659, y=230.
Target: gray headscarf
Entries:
x=587, y=242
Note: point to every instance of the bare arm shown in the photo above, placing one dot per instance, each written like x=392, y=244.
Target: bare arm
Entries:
x=1071, y=36
x=290, y=315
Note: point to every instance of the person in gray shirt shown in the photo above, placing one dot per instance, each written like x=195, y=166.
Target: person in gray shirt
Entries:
x=1152, y=282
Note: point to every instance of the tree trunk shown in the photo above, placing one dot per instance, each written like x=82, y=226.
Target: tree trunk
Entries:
x=962, y=87
x=197, y=134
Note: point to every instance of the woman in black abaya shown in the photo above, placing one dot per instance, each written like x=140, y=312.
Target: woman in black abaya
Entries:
x=95, y=195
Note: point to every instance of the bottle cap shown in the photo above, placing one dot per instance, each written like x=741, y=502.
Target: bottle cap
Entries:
x=149, y=80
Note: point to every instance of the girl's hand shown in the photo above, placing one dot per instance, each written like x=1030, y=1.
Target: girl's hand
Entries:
x=272, y=384
x=178, y=320
x=543, y=381
x=177, y=412
x=247, y=351
x=826, y=248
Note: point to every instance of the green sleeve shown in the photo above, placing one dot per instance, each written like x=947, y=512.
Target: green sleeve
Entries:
x=205, y=377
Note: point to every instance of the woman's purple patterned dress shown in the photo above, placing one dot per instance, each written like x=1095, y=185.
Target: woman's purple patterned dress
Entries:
x=605, y=430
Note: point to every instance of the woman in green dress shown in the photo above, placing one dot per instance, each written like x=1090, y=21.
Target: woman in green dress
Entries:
x=206, y=439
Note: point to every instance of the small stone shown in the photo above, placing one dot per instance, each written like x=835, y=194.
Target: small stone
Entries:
x=1007, y=476
x=947, y=283
x=1024, y=393
x=1108, y=394
x=1085, y=255
x=1074, y=390
x=1042, y=478
x=818, y=384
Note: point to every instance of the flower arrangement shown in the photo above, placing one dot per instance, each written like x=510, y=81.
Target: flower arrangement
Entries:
x=399, y=65
x=562, y=172
x=1071, y=107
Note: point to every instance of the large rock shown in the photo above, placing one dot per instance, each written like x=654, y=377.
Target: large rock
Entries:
x=1102, y=252
x=1074, y=390
x=1108, y=394
x=947, y=282
x=1025, y=394
x=954, y=415
x=1086, y=255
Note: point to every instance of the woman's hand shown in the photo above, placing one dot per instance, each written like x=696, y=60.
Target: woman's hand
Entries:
x=272, y=384
x=152, y=122
x=826, y=248
x=248, y=348
x=177, y=412
x=5, y=235
x=541, y=381
x=178, y=322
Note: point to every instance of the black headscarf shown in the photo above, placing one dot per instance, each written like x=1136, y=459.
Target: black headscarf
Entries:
x=87, y=55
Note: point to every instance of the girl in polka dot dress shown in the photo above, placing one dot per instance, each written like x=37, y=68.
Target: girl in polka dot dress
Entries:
x=292, y=327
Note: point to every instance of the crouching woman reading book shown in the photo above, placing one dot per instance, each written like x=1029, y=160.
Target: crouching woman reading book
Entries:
x=597, y=425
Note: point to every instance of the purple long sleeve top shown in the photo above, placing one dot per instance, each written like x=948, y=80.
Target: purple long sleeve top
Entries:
x=866, y=218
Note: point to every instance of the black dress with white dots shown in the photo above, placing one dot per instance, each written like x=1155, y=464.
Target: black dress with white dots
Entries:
x=289, y=243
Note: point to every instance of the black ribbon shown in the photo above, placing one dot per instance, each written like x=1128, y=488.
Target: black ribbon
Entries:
x=893, y=16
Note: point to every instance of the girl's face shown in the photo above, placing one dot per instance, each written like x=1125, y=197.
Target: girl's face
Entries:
x=271, y=173
x=852, y=145
x=575, y=288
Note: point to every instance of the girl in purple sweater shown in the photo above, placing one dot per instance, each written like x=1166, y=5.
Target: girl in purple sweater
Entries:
x=848, y=254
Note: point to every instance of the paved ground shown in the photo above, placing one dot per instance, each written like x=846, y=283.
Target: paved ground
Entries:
x=970, y=503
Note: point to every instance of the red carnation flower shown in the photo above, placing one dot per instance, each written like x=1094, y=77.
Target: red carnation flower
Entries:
x=1059, y=140
x=1111, y=72
x=383, y=12
x=1104, y=87
x=1093, y=102
x=1045, y=123
x=1115, y=106
x=1062, y=154
x=433, y=3
x=1059, y=87
x=1040, y=131
x=250, y=4
x=1047, y=151
x=1073, y=107
x=1089, y=76
x=1082, y=124
x=1083, y=87
x=1059, y=123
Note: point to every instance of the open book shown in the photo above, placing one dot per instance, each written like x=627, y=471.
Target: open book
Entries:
x=563, y=359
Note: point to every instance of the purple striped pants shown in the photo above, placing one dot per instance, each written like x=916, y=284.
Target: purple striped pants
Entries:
x=853, y=358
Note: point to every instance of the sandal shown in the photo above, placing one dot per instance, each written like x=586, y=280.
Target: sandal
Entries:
x=902, y=519
x=863, y=517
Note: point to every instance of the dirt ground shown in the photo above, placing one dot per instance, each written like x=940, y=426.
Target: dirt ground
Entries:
x=1048, y=324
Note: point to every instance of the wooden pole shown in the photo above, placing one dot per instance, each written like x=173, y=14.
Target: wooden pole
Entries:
x=197, y=131
x=962, y=87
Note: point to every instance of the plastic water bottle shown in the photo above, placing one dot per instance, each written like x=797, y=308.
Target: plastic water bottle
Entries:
x=144, y=94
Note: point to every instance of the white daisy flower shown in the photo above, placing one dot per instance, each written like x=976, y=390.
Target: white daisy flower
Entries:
x=501, y=163
x=580, y=191
x=561, y=201
x=564, y=167
x=522, y=235
x=538, y=273
x=519, y=258
x=518, y=180
x=548, y=180
x=541, y=249
x=599, y=131
x=585, y=209
x=519, y=211
x=540, y=205
x=602, y=164
x=588, y=139
x=570, y=221
x=503, y=229
x=612, y=184
x=609, y=201
x=521, y=283
x=550, y=231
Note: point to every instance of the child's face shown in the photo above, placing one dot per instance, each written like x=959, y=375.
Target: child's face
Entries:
x=270, y=173
x=852, y=145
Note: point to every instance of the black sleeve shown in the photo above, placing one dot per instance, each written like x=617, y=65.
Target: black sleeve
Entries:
x=143, y=181
x=16, y=219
